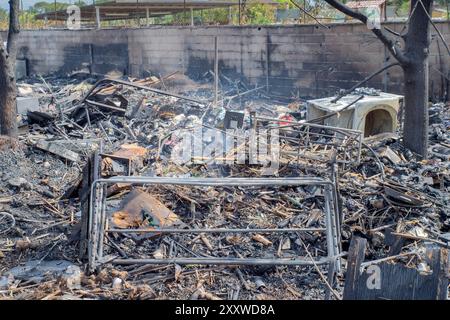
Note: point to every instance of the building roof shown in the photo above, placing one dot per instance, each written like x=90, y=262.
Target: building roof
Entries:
x=129, y=9
x=364, y=4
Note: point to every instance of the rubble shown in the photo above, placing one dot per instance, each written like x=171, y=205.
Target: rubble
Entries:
x=36, y=271
x=387, y=194
x=142, y=210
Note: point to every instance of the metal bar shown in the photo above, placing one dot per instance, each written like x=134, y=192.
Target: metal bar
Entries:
x=215, y=230
x=131, y=84
x=103, y=105
x=224, y=261
x=102, y=222
x=307, y=124
x=216, y=71
x=211, y=182
x=307, y=134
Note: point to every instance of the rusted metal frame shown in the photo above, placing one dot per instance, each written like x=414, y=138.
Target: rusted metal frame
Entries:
x=104, y=106
x=332, y=225
x=350, y=149
x=94, y=221
x=306, y=124
x=308, y=134
x=354, y=137
x=360, y=140
x=346, y=132
x=102, y=217
x=98, y=219
x=221, y=230
x=131, y=84
x=338, y=202
x=336, y=146
x=316, y=158
x=228, y=261
x=308, y=142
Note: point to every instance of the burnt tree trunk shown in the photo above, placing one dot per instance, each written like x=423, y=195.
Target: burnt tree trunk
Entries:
x=8, y=121
x=8, y=113
x=416, y=75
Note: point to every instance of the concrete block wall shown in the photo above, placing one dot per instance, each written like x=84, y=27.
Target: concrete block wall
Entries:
x=63, y=51
x=305, y=60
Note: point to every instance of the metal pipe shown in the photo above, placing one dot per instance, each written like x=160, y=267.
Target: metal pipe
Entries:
x=222, y=230
x=131, y=84
x=224, y=261
x=216, y=71
x=255, y=182
x=103, y=105
x=306, y=124
x=218, y=182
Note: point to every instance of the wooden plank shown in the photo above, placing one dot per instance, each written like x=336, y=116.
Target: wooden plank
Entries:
x=91, y=172
x=355, y=257
x=438, y=260
x=84, y=200
x=58, y=150
x=398, y=282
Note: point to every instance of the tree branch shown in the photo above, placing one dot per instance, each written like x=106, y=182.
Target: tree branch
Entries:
x=393, y=48
x=435, y=28
x=308, y=14
x=393, y=32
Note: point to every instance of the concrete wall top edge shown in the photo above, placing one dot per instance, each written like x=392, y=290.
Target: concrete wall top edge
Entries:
x=242, y=27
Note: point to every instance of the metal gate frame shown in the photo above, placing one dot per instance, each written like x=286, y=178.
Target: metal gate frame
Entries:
x=98, y=221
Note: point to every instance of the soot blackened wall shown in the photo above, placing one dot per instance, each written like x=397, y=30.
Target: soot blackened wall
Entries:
x=304, y=60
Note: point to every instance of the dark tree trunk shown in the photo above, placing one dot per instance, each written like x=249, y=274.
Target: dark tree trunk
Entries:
x=8, y=113
x=8, y=117
x=416, y=74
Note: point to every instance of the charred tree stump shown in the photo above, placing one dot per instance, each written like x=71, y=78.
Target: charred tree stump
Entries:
x=8, y=114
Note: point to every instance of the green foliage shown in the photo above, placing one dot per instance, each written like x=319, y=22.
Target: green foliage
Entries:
x=44, y=6
x=3, y=19
x=3, y=14
x=260, y=14
x=253, y=13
